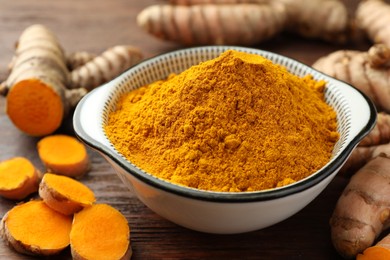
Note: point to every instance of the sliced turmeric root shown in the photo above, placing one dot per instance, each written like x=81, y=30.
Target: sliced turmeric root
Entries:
x=63, y=154
x=38, y=99
x=380, y=251
x=18, y=178
x=33, y=228
x=100, y=232
x=65, y=194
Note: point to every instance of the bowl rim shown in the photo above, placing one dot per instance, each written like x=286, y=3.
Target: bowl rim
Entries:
x=226, y=197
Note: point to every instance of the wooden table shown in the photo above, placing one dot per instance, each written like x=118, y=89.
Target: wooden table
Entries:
x=96, y=25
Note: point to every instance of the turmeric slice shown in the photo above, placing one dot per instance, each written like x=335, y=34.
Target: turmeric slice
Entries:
x=380, y=251
x=63, y=154
x=65, y=194
x=33, y=228
x=18, y=178
x=100, y=232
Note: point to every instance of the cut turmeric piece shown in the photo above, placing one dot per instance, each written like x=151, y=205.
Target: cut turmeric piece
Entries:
x=33, y=228
x=100, y=232
x=375, y=253
x=35, y=107
x=38, y=99
x=380, y=251
x=18, y=178
x=65, y=194
x=63, y=154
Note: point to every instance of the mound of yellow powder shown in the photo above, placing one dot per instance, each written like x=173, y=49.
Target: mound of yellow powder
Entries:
x=234, y=123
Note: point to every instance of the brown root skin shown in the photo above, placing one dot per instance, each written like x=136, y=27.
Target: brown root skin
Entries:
x=320, y=19
x=362, y=212
x=88, y=226
x=375, y=143
x=27, y=186
x=360, y=156
x=70, y=160
x=38, y=215
x=3, y=89
x=126, y=256
x=105, y=67
x=354, y=67
x=245, y=24
x=64, y=194
x=202, y=2
x=379, y=56
x=373, y=17
x=78, y=59
x=380, y=134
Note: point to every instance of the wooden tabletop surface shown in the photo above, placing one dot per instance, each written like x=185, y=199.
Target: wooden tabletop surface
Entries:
x=96, y=25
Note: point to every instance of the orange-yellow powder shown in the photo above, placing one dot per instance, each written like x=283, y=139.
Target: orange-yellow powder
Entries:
x=234, y=123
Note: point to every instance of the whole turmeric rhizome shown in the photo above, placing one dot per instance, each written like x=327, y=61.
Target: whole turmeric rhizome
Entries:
x=235, y=123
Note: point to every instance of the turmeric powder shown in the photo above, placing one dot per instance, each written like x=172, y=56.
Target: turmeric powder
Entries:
x=235, y=123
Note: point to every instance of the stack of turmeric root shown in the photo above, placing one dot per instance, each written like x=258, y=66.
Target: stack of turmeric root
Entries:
x=362, y=213
x=363, y=210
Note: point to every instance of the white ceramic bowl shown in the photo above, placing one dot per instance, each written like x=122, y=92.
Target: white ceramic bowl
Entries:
x=220, y=212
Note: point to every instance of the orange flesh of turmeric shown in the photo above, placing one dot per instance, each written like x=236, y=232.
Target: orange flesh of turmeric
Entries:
x=61, y=149
x=89, y=225
x=34, y=107
x=34, y=223
x=70, y=188
x=375, y=253
x=14, y=172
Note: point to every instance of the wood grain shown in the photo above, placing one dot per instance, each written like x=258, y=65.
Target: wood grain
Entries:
x=96, y=25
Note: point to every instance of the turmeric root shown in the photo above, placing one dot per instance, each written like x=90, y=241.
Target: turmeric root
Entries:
x=381, y=251
x=362, y=212
x=199, y=2
x=355, y=68
x=65, y=194
x=373, y=17
x=18, y=178
x=380, y=134
x=360, y=156
x=33, y=228
x=37, y=98
x=321, y=19
x=375, y=143
x=65, y=155
x=245, y=24
x=78, y=59
x=105, y=67
x=100, y=232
